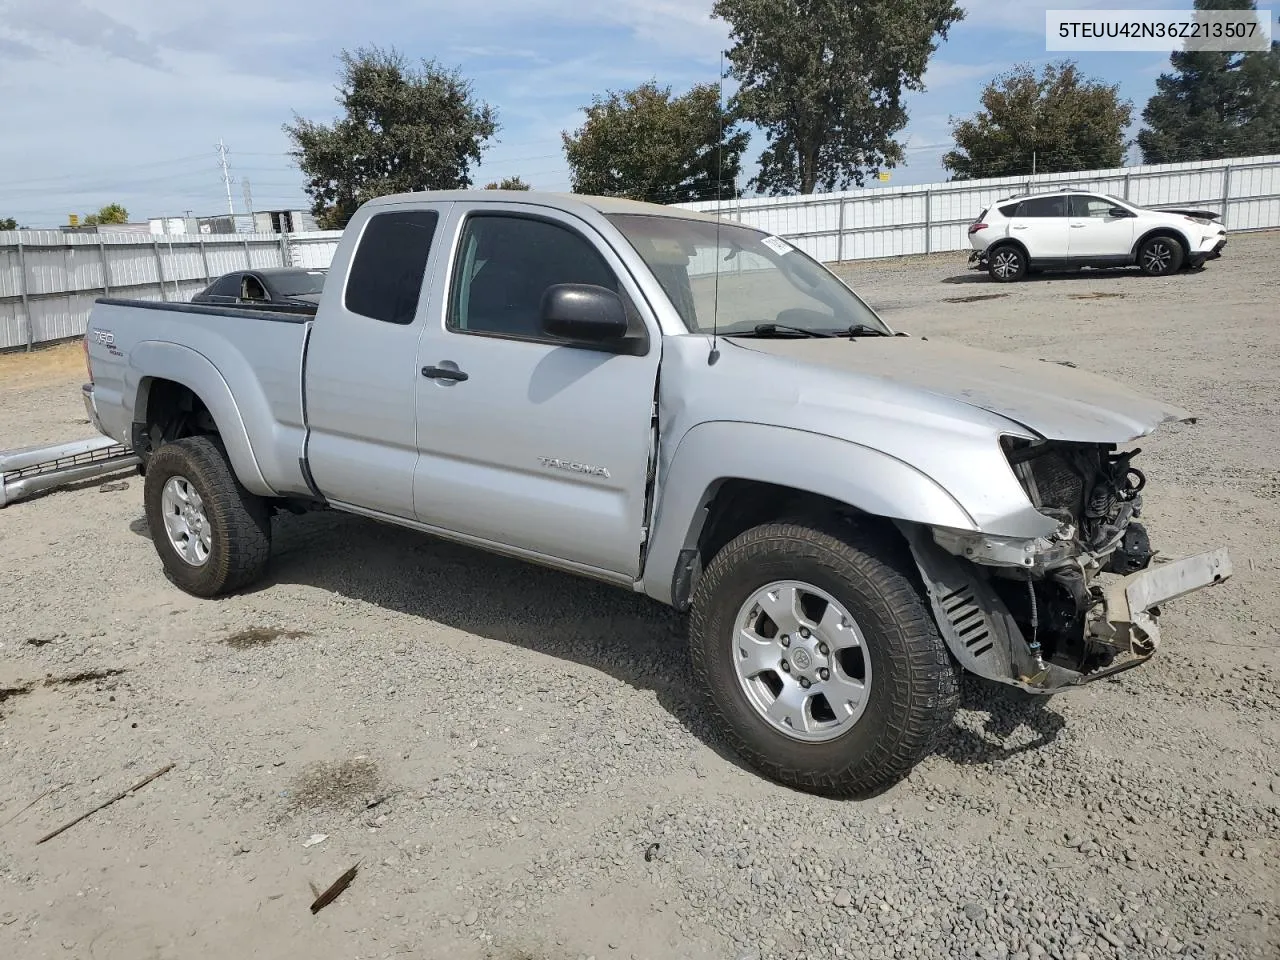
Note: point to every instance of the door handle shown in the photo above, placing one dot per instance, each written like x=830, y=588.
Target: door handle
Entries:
x=444, y=373
x=1019, y=226
x=1077, y=226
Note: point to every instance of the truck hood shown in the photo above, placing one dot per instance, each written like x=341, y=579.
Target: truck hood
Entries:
x=1052, y=400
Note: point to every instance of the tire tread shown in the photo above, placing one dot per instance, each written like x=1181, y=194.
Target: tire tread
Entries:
x=925, y=691
x=244, y=519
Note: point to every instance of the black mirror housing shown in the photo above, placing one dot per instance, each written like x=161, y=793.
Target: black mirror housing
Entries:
x=1119, y=212
x=583, y=311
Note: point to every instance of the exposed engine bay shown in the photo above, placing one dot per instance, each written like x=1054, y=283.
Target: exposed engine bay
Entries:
x=1096, y=495
x=1070, y=607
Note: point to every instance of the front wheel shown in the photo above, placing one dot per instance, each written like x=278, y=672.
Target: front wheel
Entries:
x=212, y=535
x=822, y=666
x=1007, y=264
x=1160, y=256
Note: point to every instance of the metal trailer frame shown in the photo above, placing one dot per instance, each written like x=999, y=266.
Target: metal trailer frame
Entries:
x=31, y=470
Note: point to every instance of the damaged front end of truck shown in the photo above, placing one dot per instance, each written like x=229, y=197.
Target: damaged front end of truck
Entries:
x=1070, y=607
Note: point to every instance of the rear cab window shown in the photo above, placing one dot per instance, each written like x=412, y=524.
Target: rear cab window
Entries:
x=385, y=280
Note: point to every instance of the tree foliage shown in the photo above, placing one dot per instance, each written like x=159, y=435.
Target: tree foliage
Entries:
x=1214, y=104
x=1056, y=121
x=508, y=183
x=646, y=144
x=403, y=127
x=112, y=213
x=8, y=223
x=825, y=81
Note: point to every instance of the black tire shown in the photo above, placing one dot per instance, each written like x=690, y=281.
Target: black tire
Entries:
x=915, y=682
x=1007, y=264
x=239, y=522
x=1160, y=256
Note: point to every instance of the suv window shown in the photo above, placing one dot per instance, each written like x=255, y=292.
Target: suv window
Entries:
x=506, y=263
x=1085, y=206
x=386, y=273
x=1043, y=207
x=1010, y=209
x=252, y=289
x=228, y=286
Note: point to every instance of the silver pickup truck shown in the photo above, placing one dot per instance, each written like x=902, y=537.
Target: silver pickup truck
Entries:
x=680, y=406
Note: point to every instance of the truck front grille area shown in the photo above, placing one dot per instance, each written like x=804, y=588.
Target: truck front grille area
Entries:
x=1088, y=486
x=1058, y=477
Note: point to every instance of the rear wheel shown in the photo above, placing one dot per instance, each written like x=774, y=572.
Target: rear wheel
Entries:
x=823, y=667
x=1006, y=264
x=212, y=535
x=1160, y=256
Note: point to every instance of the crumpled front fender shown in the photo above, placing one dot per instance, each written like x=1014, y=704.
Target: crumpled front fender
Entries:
x=711, y=453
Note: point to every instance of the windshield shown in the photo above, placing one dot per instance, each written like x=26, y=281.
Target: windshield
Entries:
x=762, y=279
x=299, y=284
x=1122, y=203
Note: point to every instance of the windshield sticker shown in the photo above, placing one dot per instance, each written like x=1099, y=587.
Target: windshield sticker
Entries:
x=777, y=245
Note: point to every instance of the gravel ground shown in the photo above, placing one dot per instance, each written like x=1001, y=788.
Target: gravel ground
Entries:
x=516, y=760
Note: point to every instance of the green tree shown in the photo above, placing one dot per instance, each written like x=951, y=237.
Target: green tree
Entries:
x=646, y=144
x=508, y=183
x=1214, y=104
x=8, y=223
x=111, y=213
x=1056, y=121
x=403, y=127
x=824, y=79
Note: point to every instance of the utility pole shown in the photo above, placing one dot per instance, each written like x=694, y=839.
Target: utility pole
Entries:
x=248, y=201
x=226, y=176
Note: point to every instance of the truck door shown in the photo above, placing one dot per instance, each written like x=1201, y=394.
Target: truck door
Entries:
x=360, y=373
x=526, y=442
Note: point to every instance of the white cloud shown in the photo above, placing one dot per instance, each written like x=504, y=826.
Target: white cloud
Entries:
x=78, y=23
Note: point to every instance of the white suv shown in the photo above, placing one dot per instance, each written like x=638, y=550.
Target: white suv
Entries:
x=1069, y=230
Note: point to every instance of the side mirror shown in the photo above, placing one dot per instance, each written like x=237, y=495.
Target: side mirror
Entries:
x=1119, y=212
x=582, y=311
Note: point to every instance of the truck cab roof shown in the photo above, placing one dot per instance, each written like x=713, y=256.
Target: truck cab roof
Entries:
x=568, y=202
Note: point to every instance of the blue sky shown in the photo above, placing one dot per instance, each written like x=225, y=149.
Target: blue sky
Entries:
x=123, y=100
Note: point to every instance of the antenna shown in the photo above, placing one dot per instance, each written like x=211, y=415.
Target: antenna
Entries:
x=715, y=302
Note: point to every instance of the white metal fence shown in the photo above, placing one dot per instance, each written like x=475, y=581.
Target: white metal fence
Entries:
x=49, y=280
x=933, y=218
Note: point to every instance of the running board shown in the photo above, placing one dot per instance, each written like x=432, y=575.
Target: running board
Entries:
x=32, y=470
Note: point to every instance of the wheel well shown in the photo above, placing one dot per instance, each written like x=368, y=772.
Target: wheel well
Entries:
x=1010, y=242
x=737, y=505
x=168, y=411
x=1170, y=232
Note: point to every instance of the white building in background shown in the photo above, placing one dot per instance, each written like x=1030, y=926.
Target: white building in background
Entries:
x=261, y=221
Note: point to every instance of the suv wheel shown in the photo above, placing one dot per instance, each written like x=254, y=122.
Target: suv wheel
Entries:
x=1160, y=256
x=1006, y=264
x=213, y=536
x=822, y=665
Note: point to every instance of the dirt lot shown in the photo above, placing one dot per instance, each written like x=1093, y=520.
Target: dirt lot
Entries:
x=499, y=747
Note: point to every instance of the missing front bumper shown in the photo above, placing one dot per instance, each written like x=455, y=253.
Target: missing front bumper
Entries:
x=1131, y=601
x=986, y=640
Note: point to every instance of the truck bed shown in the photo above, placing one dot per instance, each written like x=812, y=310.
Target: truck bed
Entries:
x=246, y=363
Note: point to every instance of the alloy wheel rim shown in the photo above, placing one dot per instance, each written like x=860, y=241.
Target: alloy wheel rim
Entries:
x=186, y=522
x=802, y=661
x=1006, y=264
x=1157, y=257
